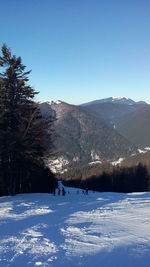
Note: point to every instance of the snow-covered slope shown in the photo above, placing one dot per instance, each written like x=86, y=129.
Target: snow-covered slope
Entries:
x=98, y=229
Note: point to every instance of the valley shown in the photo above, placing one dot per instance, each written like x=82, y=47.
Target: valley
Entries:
x=99, y=134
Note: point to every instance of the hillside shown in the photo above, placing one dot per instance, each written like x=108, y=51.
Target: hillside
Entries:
x=98, y=229
x=83, y=138
x=112, y=109
x=136, y=127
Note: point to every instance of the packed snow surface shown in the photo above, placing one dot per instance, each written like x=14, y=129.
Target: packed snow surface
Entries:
x=98, y=229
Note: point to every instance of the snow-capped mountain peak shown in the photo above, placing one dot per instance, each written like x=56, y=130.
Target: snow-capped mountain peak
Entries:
x=122, y=100
x=50, y=102
x=119, y=98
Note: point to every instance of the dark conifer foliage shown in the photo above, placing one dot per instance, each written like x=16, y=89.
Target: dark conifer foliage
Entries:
x=133, y=179
x=23, y=130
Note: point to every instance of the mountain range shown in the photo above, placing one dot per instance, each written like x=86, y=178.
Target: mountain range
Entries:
x=115, y=100
x=131, y=119
x=106, y=130
x=113, y=110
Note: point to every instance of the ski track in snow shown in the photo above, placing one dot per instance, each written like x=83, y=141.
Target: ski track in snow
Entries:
x=100, y=229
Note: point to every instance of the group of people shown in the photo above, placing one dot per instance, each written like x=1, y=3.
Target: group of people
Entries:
x=60, y=191
x=84, y=191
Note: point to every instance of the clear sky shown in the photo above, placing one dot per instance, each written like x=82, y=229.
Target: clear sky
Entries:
x=81, y=50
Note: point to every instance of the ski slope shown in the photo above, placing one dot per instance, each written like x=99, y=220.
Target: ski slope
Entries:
x=98, y=229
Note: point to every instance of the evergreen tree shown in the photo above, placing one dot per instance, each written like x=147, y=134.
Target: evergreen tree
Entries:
x=23, y=130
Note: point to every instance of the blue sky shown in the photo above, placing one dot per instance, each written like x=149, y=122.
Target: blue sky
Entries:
x=81, y=50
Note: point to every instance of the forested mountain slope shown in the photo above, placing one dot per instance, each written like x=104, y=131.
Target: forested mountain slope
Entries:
x=136, y=127
x=111, y=109
x=83, y=138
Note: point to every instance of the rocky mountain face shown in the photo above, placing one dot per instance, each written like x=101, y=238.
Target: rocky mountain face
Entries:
x=84, y=138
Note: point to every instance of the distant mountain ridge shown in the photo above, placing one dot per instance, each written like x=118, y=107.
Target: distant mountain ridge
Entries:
x=110, y=111
x=118, y=100
x=131, y=119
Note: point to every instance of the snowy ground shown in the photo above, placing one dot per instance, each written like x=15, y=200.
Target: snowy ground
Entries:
x=99, y=229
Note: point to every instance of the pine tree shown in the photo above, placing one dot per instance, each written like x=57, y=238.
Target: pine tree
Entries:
x=23, y=130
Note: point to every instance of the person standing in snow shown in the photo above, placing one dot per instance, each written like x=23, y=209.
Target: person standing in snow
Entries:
x=63, y=192
x=54, y=191
x=86, y=191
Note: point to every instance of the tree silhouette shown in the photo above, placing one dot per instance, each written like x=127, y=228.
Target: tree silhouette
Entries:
x=23, y=130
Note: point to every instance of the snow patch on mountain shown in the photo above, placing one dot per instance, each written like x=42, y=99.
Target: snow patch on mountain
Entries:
x=117, y=162
x=119, y=98
x=94, y=156
x=51, y=102
x=76, y=159
x=95, y=162
x=144, y=150
x=141, y=151
x=58, y=164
